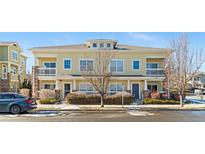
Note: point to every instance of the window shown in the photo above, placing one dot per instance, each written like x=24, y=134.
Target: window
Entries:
x=135, y=65
x=86, y=65
x=101, y=45
x=23, y=62
x=87, y=88
x=152, y=65
x=14, y=55
x=108, y=45
x=114, y=88
x=19, y=96
x=67, y=64
x=49, y=65
x=152, y=88
x=117, y=65
x=7, y=96
x=13, y=70
x=49, y=86
x=94, y=45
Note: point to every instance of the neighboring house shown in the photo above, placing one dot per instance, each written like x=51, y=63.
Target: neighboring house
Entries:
x=198, y=82
x=135, y=69
x=12, y=66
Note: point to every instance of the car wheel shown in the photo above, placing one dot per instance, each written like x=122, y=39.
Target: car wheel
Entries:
x=15, y=109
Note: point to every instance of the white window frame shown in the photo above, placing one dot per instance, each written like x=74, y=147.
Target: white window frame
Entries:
x=86, y=63
x=116, y=65
x=23, y=62
x=153, y=84
x=49, y=62
x=70, y=63
x=4, y=74
x=86, y=91
x=16, y=52
x=50, y=85
x=133, y=64
x=123, y=87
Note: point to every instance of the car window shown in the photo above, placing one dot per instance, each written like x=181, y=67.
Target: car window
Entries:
x=0, y=96
x=7, y=96
x=18, y=96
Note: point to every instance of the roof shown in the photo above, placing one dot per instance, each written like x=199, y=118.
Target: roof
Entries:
x=101, y=40
x=7, y=43
x=81, y=47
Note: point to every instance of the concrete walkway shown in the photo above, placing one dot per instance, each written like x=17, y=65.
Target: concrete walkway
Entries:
x=68, y=107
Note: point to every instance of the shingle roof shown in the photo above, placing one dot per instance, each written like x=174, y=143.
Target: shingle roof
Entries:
x=7, y=43
x=84, y=47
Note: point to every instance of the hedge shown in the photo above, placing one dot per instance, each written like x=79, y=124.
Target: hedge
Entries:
x=160, y=101
x=94, y=99
x=48, y=101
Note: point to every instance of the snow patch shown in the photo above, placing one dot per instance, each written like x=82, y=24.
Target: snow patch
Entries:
x=140, y=113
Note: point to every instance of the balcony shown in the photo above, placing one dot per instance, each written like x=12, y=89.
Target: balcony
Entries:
x=155, y=72
x=46, y=71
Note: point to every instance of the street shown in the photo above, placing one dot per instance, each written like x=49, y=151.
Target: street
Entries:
x=104, y=116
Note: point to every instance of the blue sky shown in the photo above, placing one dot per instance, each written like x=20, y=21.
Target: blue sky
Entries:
x=151, y=39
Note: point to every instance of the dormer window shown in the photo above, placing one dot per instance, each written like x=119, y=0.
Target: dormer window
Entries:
x=108, y=45
x=101, y=45
x=94, y=45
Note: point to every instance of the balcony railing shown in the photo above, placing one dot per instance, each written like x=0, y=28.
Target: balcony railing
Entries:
x=155, y=72
x=46, y=71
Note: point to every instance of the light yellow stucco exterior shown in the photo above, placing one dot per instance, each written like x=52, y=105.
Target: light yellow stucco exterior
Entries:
x=125, y=53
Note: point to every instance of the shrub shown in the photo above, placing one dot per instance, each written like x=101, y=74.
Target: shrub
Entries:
x=83, y=98
x=25, y=92
x=160, y=101
x=155, y=95
x=47, y=93
x=48, y=101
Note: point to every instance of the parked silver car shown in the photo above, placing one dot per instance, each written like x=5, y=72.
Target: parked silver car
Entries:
x=15, y=103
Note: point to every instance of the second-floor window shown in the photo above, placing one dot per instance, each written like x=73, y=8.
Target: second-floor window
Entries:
x=135, y=64
x=23, y=62
x=14, y=55
x=86, y=65
x=117, y=65
x=152, y=65
x=49, y=65
x=108, y=45
x=101, y=45
x=67, y=64
x=94, y=45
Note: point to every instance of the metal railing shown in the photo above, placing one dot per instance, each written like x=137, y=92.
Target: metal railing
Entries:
x=155, y=72
x=46, y=71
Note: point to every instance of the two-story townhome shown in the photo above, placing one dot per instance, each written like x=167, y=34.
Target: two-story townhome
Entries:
x=135, y=69
x=12, y=66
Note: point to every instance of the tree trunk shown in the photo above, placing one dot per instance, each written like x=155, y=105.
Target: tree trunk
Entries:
x=181, y=101
x=102, y=103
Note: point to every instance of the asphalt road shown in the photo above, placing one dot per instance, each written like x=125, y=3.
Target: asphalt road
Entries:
x=130, y=116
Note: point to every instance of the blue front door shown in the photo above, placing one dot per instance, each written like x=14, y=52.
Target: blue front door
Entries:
x=135, y=90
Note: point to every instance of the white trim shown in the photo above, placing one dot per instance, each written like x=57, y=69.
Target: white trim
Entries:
x=67, y=69
x=116, y=59
x=133, y=65
x=139, y=88
x=86, y=60
x=64, y=87
x=14, y=51
x=4, y=75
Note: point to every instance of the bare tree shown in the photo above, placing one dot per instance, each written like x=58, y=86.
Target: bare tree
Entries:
x=182, y=65
x=98, y=74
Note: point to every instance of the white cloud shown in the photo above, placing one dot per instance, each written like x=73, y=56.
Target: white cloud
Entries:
x=140, y=36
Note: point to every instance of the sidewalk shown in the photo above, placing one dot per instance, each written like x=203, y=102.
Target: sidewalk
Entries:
x=118, y=108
